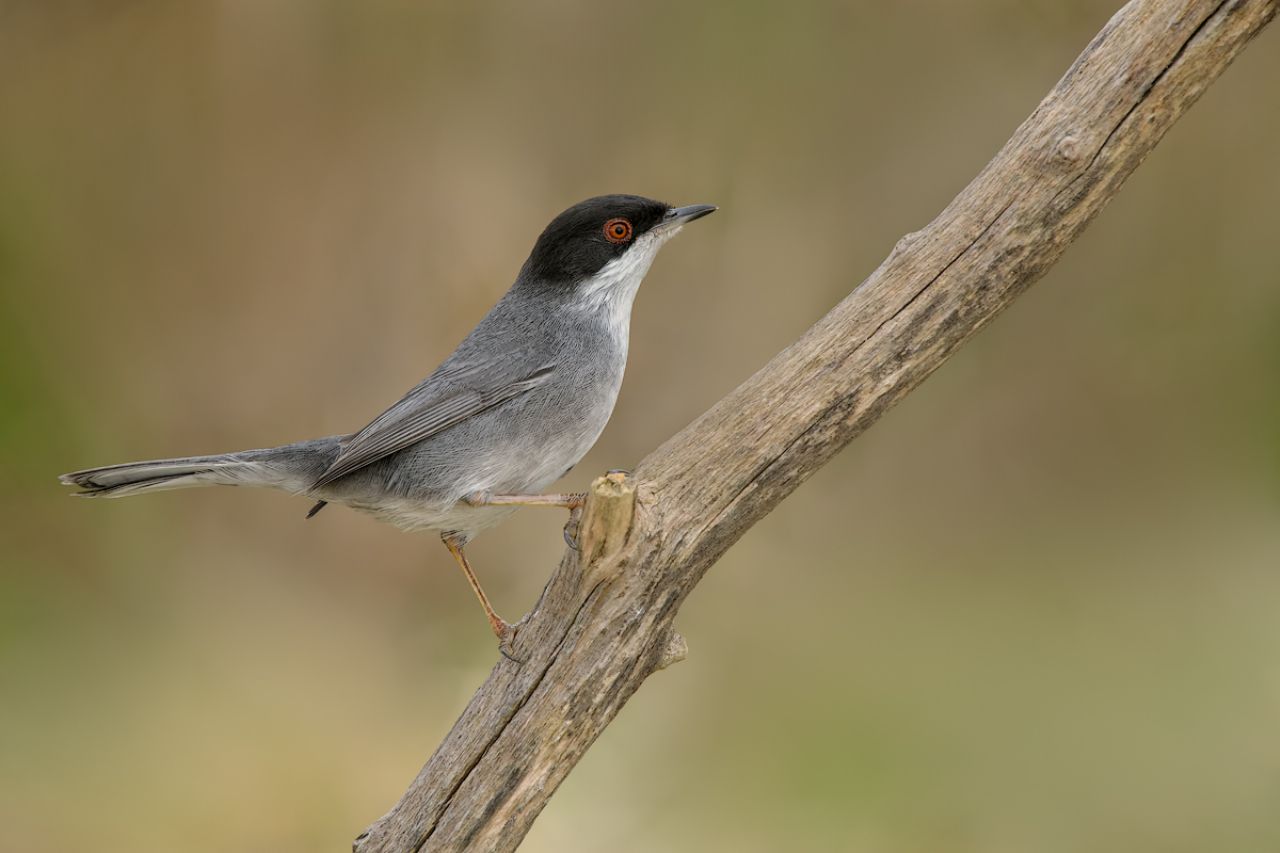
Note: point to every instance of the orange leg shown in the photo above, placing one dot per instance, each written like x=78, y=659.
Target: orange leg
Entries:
x=567, y=500
x=572, y=501
x=502, y=629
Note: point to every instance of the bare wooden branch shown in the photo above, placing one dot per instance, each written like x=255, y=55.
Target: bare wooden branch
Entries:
x=604, y=621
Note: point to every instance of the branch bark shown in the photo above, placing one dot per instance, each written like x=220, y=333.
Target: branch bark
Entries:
x=604, y=621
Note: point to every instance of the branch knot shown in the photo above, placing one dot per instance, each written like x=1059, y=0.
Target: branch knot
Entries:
x=1070, y=149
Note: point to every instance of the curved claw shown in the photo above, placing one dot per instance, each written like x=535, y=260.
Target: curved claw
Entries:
x=506, y=642
x=571, y=527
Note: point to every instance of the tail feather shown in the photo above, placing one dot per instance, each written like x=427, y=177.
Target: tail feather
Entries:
x=115, y=481
x=292, y=468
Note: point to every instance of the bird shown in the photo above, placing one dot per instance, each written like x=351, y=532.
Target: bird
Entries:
x=519, y=402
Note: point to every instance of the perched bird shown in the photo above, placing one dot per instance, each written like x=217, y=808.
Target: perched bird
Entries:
x=515, y=406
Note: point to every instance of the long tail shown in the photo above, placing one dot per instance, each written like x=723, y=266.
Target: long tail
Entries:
x=293, y=468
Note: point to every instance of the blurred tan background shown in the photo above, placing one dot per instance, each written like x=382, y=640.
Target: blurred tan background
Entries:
x=1034, y=609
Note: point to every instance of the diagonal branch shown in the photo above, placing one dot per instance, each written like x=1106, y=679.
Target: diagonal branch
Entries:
x=604, y=621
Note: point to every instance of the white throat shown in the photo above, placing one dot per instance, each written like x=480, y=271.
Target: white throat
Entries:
x=613, y=289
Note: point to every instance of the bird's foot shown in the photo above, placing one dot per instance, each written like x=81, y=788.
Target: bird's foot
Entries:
x=506, y=633
x=571, y=526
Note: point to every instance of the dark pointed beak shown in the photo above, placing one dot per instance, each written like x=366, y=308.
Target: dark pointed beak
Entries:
x=680, y=215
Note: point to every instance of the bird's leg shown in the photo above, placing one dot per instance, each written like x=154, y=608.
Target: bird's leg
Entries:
x=503, y=630
x=572, y=501
x=564, y=500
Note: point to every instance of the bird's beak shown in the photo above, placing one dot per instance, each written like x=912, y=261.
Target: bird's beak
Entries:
x=678, y=216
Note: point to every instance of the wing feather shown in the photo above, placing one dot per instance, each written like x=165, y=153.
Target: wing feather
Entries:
x=448, y=397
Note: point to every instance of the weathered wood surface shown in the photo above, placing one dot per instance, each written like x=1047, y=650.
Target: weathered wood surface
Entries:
x=604, y=621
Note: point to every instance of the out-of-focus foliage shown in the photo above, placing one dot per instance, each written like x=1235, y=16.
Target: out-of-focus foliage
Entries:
x=1033, y=609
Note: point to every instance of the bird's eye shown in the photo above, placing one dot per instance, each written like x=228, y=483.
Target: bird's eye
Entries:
x=617, y=230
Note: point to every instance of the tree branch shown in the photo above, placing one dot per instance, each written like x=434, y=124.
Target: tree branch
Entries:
x=604, y=621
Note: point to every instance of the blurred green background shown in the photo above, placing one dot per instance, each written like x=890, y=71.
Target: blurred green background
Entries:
x=1034, y=609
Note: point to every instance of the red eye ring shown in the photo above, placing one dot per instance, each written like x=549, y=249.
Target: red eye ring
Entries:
x=618, y=230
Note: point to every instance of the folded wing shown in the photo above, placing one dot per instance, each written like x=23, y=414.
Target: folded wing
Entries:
x=446, y=398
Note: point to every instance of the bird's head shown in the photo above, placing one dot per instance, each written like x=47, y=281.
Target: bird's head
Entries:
x=605, y=243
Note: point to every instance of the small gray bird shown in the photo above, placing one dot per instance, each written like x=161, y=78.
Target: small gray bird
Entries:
x=515, y=406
